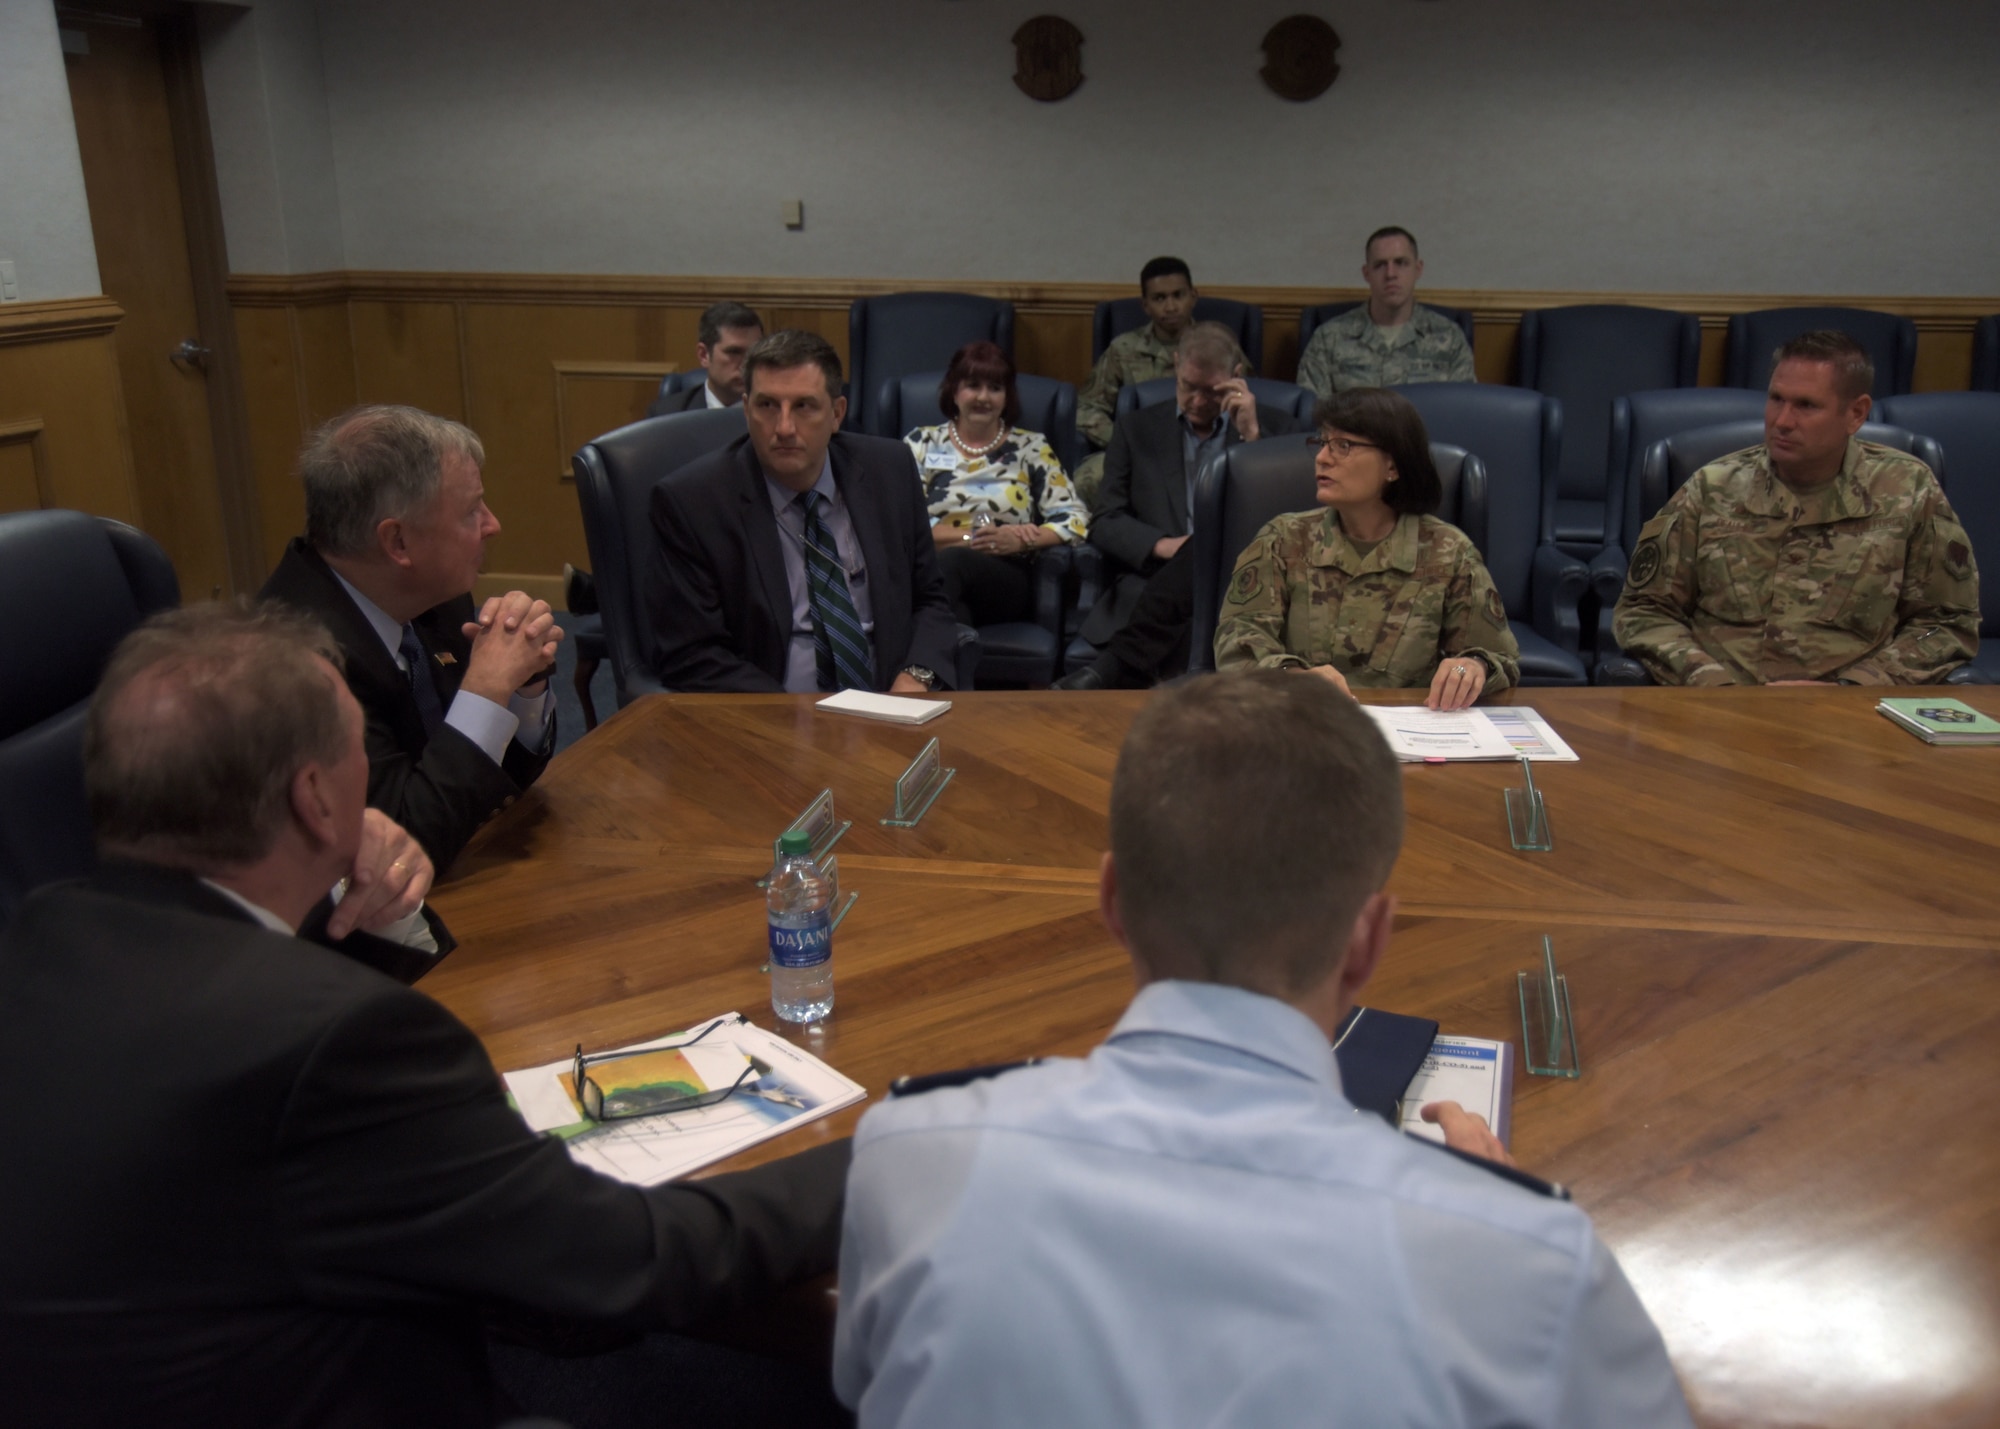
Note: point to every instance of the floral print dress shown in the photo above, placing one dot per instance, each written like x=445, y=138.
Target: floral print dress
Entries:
x=1020, y=481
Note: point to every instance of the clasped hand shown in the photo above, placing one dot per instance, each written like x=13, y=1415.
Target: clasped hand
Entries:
x=514, y=644
x=389, y=880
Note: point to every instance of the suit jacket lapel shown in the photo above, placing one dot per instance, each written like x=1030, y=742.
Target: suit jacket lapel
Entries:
x=371, y=670
x=767, y=556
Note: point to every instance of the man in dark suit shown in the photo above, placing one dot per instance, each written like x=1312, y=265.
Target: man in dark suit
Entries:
x=460, y=718
x=1142, y=515
x=799, y=557
x=724, y=338
x=257, y=1182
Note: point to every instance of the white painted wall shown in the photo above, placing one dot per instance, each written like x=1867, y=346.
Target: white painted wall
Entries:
x=44, y=212
x=1790, y=146
x=266, y=89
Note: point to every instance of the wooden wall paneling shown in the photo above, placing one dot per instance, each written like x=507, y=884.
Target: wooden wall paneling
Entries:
x=408, y=353
x=1944, y=358
x=593, y=398
x=1052, y=343
x=62, y=401
x=24, y=484
x=325, y=344
x=274, y=400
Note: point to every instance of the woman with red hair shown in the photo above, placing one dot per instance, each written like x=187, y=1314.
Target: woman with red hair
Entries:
x=997, y=493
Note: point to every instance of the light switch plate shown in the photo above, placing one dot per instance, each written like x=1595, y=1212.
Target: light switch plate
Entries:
x=10, y=291
x=795, y=213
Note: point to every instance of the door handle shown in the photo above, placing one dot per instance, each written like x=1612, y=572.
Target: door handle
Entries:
x=190, y=355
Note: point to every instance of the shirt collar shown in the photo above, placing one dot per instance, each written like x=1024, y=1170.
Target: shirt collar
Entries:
x=1396, y=551
x=385, y=625
x=1243, y=1021
x=783, y=496
x=1215, y=432
x=1847, y=497
x=260, y=913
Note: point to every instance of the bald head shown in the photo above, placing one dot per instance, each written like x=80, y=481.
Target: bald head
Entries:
x=201, y=722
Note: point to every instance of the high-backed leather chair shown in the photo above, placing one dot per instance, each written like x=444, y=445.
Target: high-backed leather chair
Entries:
x=1966, y=427
x=914, y=332
x=1517, y=435
x=615, y=477
x=1011, y=651
x=1585, y=357
x=1668, y=464
x=680, y=381
x=1246, y=486
x=1310, y=318
x=1047, y=406
x=1122, y=315
x=78, y=585
x=1986, y=354
x=1285, y=396
x=1752, y=338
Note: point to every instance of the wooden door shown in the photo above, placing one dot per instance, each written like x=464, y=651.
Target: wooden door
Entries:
x=124, y=127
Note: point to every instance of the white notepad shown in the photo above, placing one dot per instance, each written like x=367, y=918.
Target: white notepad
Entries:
x=897, y=709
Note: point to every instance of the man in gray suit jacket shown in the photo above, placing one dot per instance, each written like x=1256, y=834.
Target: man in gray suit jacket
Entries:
x=727, y=333
x=1142, y=514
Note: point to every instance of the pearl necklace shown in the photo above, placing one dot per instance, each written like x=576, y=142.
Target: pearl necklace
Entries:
x=969, y=449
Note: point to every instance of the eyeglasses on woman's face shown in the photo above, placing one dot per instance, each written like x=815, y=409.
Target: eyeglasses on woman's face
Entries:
x=1341, y=447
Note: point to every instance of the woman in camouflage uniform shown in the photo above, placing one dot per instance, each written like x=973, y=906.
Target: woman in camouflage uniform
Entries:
x=1375, y=593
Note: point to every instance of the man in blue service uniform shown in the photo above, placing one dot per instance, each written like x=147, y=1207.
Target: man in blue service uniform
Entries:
x=1193, y=1225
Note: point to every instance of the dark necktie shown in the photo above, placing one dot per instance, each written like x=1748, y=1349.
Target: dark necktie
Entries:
x=429, y=708
x=839, y=643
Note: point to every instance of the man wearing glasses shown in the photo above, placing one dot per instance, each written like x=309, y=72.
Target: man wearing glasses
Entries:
x=258, y=1182
x=1141, y=516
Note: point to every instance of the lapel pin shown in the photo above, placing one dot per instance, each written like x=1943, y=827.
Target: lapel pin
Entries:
x=445, y=657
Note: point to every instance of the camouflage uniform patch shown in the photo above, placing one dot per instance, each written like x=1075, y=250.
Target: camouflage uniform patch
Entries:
x=1869, y=579
x=1136, y=356
x=1302, y=595
x=1350, y=351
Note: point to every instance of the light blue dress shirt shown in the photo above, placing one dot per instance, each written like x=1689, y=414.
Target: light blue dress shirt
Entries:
x=1193, y=1226
x=801, y=657
x=477, y=718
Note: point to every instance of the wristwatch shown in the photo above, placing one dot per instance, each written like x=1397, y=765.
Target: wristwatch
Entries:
x=924, y=677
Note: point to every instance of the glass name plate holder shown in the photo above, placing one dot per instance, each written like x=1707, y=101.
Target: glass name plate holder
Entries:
x=1528, y=815
x=918, y=787
x=1548, y=1026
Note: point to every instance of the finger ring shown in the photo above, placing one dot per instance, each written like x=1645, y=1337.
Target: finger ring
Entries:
x=1460, y=669
x=398, y=864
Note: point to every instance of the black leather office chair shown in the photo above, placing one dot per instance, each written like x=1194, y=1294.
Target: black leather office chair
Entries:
x=913, y=332
x=1586, y=357
x=680, y=381
x=1311, y=318
x=1122, y=315
x=1047, y=406
x=85, y=582
x=1670, y=462
x=1752, y=338
x=615, y=477
x=1517, y=436
x=1986, y=354
x=1966, y=428
x=1248, y=485
x=1285, y=396
x=1013, y=651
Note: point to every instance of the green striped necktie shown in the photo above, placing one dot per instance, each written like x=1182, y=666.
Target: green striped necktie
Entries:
x=839, y=643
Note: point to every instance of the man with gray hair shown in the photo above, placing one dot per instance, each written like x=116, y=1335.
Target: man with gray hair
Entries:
x=460, y=718
x=1142, y=515
x=267, y=1184
x=1193, y=1225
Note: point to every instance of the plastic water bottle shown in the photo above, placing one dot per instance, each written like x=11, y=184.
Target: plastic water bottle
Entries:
x=799, y=902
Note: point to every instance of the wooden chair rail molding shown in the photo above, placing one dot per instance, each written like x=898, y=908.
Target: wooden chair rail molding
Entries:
x=53, y=319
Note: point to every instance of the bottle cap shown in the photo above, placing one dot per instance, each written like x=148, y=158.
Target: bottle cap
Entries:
x=796, y=841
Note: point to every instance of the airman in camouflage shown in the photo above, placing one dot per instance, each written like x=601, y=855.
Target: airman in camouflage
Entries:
x=1740, y=579
x=1167, y=289
x=1389, y=339
x=1304, y=595
x=1351, y=351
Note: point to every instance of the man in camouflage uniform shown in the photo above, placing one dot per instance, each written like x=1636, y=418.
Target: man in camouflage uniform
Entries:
x=1167, y=289
x=1812, y=559
x=1391, y=338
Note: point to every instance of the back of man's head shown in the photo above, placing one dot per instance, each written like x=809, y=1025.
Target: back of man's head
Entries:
x=203, y=718
x=718, y=316
x=1853, y=370
x=793, y=347
x=1211, y=347
x=372, y=463
x=1252, y=815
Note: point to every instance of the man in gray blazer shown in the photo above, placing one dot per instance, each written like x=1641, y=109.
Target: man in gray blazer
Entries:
x=1141, y=517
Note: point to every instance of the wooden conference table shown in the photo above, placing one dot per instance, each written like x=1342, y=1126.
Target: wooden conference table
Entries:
x=1779, y=914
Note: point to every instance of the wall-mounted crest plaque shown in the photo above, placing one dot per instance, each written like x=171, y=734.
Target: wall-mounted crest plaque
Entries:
x=1048, y=58
x=1299, y=61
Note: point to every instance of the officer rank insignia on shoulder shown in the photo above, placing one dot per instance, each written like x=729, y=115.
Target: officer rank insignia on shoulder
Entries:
x=1645, y=562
